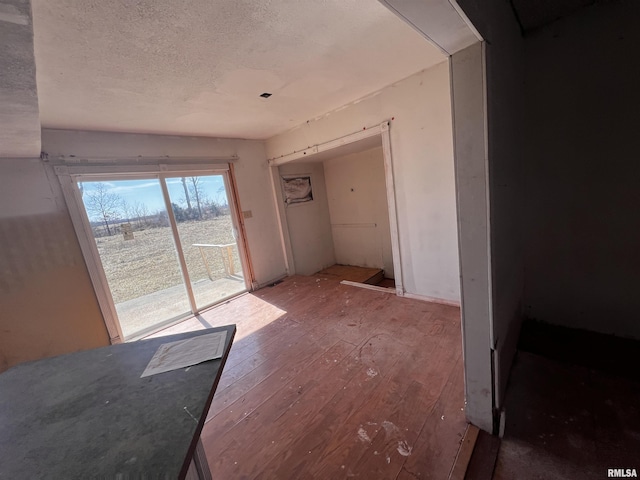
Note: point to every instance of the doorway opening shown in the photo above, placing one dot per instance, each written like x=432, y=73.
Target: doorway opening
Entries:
x=337, y=211
x=160, y=247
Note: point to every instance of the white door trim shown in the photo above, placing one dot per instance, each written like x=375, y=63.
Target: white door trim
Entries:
x=240, y=234
x=391, y=205
x=182, y=263
x=90, y=253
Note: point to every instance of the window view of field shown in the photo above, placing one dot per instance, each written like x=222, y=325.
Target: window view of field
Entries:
x=148, y=263
x=138, y=253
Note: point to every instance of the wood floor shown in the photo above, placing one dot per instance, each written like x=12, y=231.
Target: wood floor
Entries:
x=332, y=381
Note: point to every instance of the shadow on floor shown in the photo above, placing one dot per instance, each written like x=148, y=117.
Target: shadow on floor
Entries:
x=572, y=406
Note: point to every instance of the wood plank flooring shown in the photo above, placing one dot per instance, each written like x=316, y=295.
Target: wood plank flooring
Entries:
x=331, y=381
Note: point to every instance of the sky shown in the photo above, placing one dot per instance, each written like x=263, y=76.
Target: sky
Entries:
x=149, y=193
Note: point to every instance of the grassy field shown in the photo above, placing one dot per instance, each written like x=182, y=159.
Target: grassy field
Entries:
x=148, y=263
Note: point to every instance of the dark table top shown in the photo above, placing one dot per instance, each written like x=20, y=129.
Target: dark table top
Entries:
x=90, y=415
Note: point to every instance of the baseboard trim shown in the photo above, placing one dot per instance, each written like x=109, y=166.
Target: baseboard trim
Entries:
x=442, y=301
x=257, y=286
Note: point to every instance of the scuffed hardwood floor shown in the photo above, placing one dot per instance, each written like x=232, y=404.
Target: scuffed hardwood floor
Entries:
x=331, y=381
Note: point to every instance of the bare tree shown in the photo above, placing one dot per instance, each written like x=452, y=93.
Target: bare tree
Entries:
x=212, y=207
x=221, y=196
x=196, y=189
x=141, y=212
x=186, y=192
x=103, y=204
x=161, y=218
x=127, y=210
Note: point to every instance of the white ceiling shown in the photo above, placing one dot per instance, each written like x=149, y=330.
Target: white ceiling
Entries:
x=198, y=67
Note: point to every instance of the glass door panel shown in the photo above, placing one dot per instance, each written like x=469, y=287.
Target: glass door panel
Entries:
x=135, y=242
x=207, y=234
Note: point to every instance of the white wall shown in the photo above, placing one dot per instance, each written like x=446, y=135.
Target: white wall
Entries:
x=357, y=196
x=422, y=150
x=47, y=303
x=251, y=174
x=505, y=115
x=582, y=171
x=308, y=223
x=495, y=279
x=468, y=83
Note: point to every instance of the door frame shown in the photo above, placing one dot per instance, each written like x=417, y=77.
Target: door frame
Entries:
x=381, y=130
x=69, y=175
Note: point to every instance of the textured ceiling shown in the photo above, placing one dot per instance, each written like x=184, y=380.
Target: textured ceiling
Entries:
x=198, y=67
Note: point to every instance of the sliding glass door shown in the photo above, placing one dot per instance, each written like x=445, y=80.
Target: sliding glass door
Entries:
x=166, y=245
x=207, y=234
x=131, y=228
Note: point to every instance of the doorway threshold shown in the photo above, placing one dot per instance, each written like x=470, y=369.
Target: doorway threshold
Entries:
x=137, y=320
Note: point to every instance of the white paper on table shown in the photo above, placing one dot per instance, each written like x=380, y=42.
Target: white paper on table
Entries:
x=184, y=353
